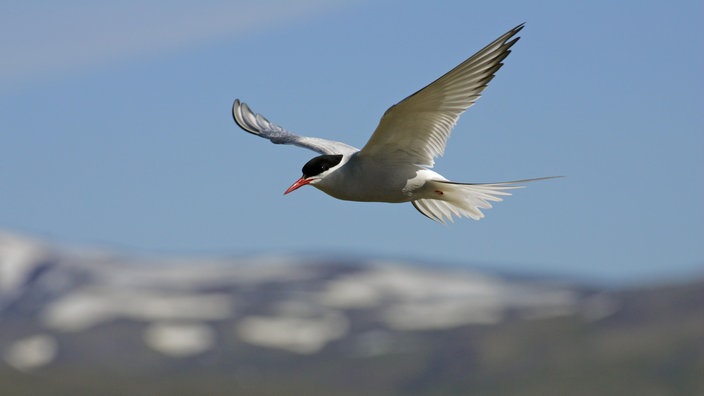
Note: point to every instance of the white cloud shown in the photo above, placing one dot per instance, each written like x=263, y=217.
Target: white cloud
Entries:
x=54, y=37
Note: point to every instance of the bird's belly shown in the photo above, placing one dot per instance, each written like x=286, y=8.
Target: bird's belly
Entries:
x=367, y=193
x=376, y=184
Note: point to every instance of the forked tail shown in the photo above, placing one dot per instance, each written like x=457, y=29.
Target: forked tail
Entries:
x=463, y=199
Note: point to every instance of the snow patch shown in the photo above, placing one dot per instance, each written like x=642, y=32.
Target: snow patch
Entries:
x=31, y=352
x=18, y=257
x=91, y=306
x=383, y=283
x=304, y=335
x=179, y=339
x=413, y=298
x=442, y=314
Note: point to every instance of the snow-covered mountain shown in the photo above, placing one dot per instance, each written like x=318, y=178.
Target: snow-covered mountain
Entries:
x=102, y=312
x=291, y=303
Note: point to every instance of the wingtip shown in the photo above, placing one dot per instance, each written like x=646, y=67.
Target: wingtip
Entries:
x=235, y=110
x=236, y=105
x=515, y=31
x=237, y=114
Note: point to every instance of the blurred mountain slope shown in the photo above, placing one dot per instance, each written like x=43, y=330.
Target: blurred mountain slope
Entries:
x=95, y=322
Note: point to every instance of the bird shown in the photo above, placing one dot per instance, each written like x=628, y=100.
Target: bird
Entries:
x=395, y=165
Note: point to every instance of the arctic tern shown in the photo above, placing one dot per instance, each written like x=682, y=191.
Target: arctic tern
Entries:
x=394, y=165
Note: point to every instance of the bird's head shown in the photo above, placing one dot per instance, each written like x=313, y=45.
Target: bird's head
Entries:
x=316, y=169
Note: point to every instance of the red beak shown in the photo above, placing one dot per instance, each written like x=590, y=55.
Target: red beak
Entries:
x=299, y=183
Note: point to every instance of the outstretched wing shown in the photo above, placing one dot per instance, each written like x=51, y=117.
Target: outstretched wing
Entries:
x=416, y=129
x=256, y=124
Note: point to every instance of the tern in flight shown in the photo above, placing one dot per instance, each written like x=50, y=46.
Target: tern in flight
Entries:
x=394, y=165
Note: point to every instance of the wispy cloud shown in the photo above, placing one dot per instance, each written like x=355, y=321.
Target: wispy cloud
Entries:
x=40, y=38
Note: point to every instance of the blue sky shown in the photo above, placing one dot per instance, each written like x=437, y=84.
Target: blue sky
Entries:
x=115, y=129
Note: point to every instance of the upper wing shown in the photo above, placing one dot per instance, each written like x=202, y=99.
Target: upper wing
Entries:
x=416, y=129
x=258, y=125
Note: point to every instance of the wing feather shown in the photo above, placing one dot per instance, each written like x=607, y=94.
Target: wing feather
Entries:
x=257, y=124
x=416, y=129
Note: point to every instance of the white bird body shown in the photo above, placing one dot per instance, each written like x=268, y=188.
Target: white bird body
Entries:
x=394, y=164
x=369, y=180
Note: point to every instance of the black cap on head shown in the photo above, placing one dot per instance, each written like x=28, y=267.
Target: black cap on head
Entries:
x=320, y=164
